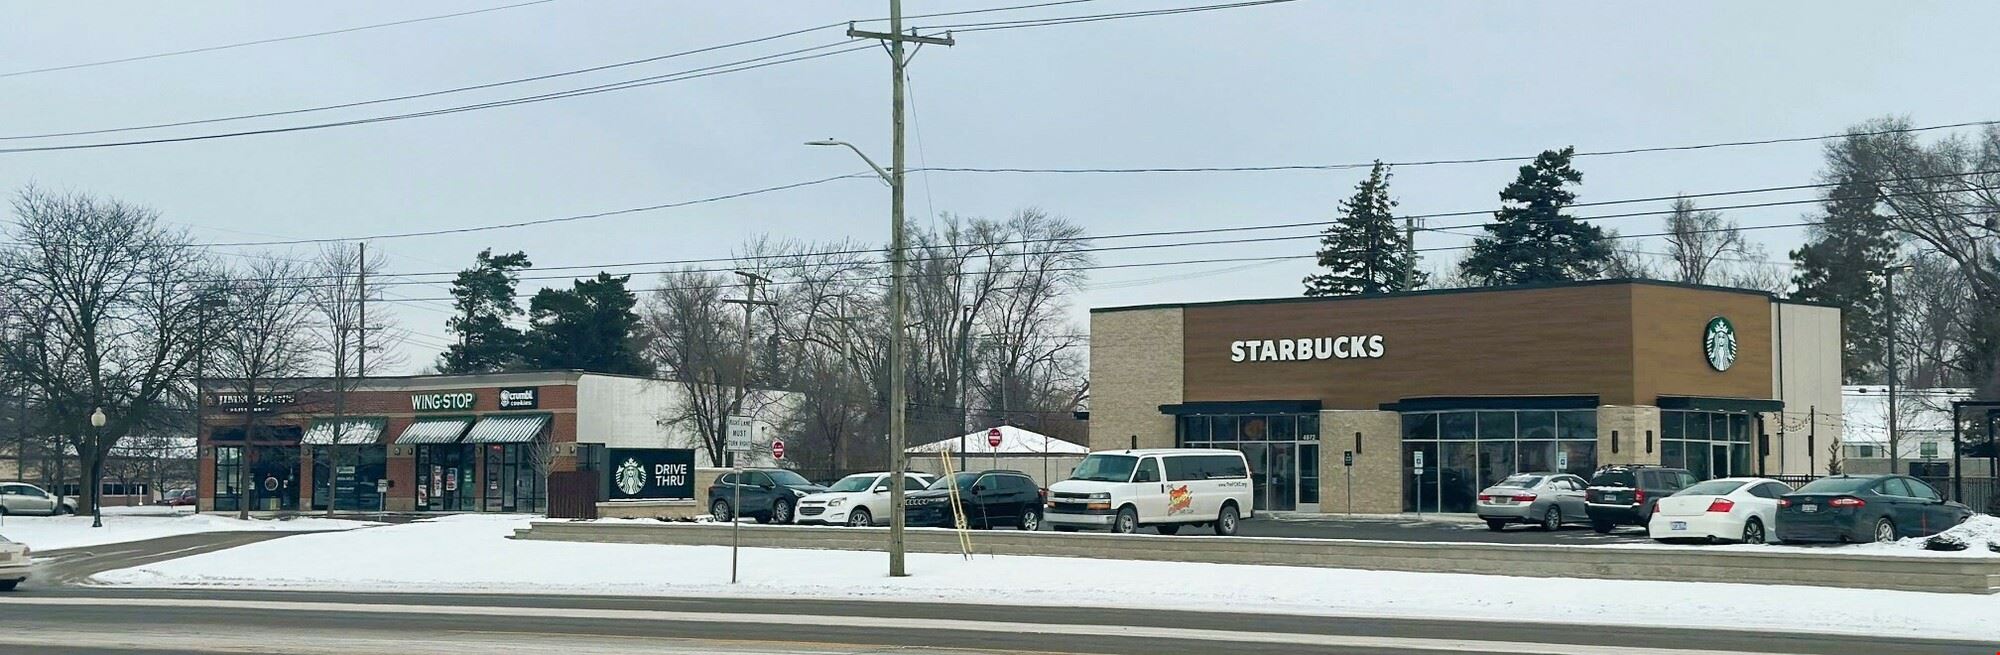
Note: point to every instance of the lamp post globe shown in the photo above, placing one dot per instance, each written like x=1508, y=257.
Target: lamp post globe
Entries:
x=97, y=421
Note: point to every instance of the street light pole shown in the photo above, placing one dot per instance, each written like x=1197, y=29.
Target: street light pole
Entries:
x=1895, y=435
x=96, y=468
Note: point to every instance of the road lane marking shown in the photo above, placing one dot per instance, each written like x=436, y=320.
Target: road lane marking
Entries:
x=896, y=623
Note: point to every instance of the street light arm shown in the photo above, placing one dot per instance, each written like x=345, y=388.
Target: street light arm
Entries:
x=886, y=178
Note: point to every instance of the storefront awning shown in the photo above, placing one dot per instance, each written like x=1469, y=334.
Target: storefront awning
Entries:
x=1707, y=404
x=363, y=431
x=434, y=431
x=1461, y=403
x=508, y=429
x=1243, y=407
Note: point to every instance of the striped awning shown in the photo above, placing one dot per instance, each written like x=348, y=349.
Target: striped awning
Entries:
x=360, y=431
x=434, y=431
x=508, y=429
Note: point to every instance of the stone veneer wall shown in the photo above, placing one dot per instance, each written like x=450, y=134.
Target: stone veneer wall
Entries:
x=1637, y=429
x=1135, y=366
x=1378, y=467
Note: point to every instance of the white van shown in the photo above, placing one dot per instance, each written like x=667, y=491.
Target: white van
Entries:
x=1165, y=488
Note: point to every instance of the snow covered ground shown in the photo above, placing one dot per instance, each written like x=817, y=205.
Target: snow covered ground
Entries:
x=122, y=524
x=471, y=553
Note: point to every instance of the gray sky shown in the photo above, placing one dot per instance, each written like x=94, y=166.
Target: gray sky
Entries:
x=1310, y=82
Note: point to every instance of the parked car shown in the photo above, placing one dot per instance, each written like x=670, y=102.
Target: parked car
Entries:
x=768, y=495
x=177, y=498
x=23, y=498
x=857, y=500
x=1625, y=494
x=1545, y=499
x=1725, y=509
x=988, y=498
x=1167, y=489
x=1862, y=508
x=13, y=563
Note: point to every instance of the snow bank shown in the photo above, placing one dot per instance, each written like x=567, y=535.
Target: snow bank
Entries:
x=1976, y=532
x=54, y=532
x=472, y=554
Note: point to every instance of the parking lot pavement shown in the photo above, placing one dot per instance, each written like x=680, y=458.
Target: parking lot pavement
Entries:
x=1399, y=528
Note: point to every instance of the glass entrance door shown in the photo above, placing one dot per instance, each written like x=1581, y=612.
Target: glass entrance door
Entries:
x=1719, y=461
x=1308, y=477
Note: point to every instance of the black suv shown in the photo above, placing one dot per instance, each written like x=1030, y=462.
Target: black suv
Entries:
x=989, y=498
x=1627, y=494
x=768, y=495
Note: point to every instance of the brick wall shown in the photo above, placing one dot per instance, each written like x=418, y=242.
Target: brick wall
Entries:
x=1135, y=366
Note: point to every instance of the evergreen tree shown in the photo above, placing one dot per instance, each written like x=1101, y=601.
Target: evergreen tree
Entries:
x=1531, y=240
x=1364, y=251
x=591, y=327
x=1841, y=265
x=483, y=299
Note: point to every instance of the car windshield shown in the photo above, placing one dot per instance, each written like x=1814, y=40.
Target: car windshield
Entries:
x=1520, y=481
x=1105, y=468
x=962, y=480
x=789, y=479
x=853, y=483
x=1836, y=485
x=1712, y=488
x=1613, y=479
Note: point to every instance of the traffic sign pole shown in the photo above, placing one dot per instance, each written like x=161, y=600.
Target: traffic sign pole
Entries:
x=738, y=443
x=1347, y=463
x=993, y=442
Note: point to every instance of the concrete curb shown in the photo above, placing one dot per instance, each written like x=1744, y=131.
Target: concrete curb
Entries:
x=1930, y=574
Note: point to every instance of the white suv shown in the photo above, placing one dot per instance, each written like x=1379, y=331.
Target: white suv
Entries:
x=1166, y=488
x=858, y=500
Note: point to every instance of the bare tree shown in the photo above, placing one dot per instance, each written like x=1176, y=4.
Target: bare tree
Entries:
x=1755, y=270
x=342, y=330
x=113, y=299
x=698, y=347
x=1627, y=260
x=1934, y=329
x=1697, y=241
x=266, y=349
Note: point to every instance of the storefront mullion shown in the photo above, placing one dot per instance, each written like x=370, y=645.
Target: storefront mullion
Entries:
x=1466, y=451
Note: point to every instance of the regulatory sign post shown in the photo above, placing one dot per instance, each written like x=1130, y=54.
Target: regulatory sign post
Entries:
x=1562, y=461
x=1347, y=464
x=1418, y=470
x=778, y=449
x=993, y=443
x=738, y=446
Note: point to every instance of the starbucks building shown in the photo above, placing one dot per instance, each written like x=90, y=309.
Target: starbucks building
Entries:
x=1416, y=401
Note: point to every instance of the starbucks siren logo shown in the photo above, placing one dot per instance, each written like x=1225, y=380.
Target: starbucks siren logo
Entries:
x=631, y=477
x=1719, y=341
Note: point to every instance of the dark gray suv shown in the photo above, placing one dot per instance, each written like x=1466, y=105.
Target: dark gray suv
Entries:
x=1626, y=494
x=768, y=495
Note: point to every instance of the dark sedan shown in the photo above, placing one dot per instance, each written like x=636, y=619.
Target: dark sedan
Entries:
x=1863, y=508
x=768, y=495
x=988, y=499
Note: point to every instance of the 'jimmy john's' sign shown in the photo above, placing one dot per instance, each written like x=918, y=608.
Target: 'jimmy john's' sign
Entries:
x=442, y=402
x=1360, y=346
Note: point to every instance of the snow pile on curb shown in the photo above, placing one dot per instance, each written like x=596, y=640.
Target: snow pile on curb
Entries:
x=472, y=554
x=1976, y=532
x=44, y=533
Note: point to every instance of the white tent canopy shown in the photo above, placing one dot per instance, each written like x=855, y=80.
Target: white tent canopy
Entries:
x=1013, y=441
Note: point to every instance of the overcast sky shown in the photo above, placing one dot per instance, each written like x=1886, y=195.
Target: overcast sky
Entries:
x=1307, y=82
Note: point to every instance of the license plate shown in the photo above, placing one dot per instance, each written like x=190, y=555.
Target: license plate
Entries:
x=1613, y=498
x=1808, y=508
x=1503, y=501
x=1680, y=525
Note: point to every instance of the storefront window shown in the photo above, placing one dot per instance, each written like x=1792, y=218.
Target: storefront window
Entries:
x=1420, y=427
x=1538, y=425
x=1468, y=451
x=1223, y=428
x=1496, y=425
x=1454, y=426
x=1707, y=444
x=1282, y=450
x=228, y=478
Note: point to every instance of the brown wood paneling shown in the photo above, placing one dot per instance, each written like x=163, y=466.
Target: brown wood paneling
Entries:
x=1626, y=343
x=1668, y=324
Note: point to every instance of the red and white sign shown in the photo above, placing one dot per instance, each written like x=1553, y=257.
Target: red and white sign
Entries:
x=993, y=437
x=777, y=448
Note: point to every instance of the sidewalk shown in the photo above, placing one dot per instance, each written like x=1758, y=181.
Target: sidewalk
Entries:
x=1406, y=517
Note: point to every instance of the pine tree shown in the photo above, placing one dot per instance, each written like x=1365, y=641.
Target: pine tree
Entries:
x=1364, y=251
x=1531, y=240
x=1841, y=265
x=483, y=299
x=590, y=327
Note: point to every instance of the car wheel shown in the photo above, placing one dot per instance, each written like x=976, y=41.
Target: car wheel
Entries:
x=1169, y=529
x=1031, y=521
x=1552, y=520
x=66, y=509
x=1753, y=531
x=3, y=510
x=860, y=518
x=1225, y=524
x=1885, y=530
x=1496, y=525
x=720, y=510
x=781, y=512
x=1602, y=527
x=1127, y=523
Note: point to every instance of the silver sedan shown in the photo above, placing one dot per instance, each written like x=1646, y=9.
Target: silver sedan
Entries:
x=1545, y=499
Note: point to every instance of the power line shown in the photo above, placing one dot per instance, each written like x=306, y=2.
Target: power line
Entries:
x=294, y=37
x=1093, y=18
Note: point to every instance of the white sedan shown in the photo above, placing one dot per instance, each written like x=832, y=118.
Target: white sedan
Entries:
x=13, y=564
x=1726, y=509
x=858, y=500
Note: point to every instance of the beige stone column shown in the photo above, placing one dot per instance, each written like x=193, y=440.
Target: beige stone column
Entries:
x=1378, y=463
x=1636, y=431
x=1135, y=367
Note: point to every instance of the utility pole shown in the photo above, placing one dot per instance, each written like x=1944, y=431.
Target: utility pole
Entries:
x=1895, y=435
x=898, y=400
x=1409, y=254
x=339, y=416
x=750, y=304
x=361, y=301
x=964, y=402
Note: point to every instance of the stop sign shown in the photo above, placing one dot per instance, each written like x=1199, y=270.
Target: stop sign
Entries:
x=993, y=437
x=777, y=448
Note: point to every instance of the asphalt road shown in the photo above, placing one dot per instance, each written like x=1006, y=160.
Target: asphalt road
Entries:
x=59, y=616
